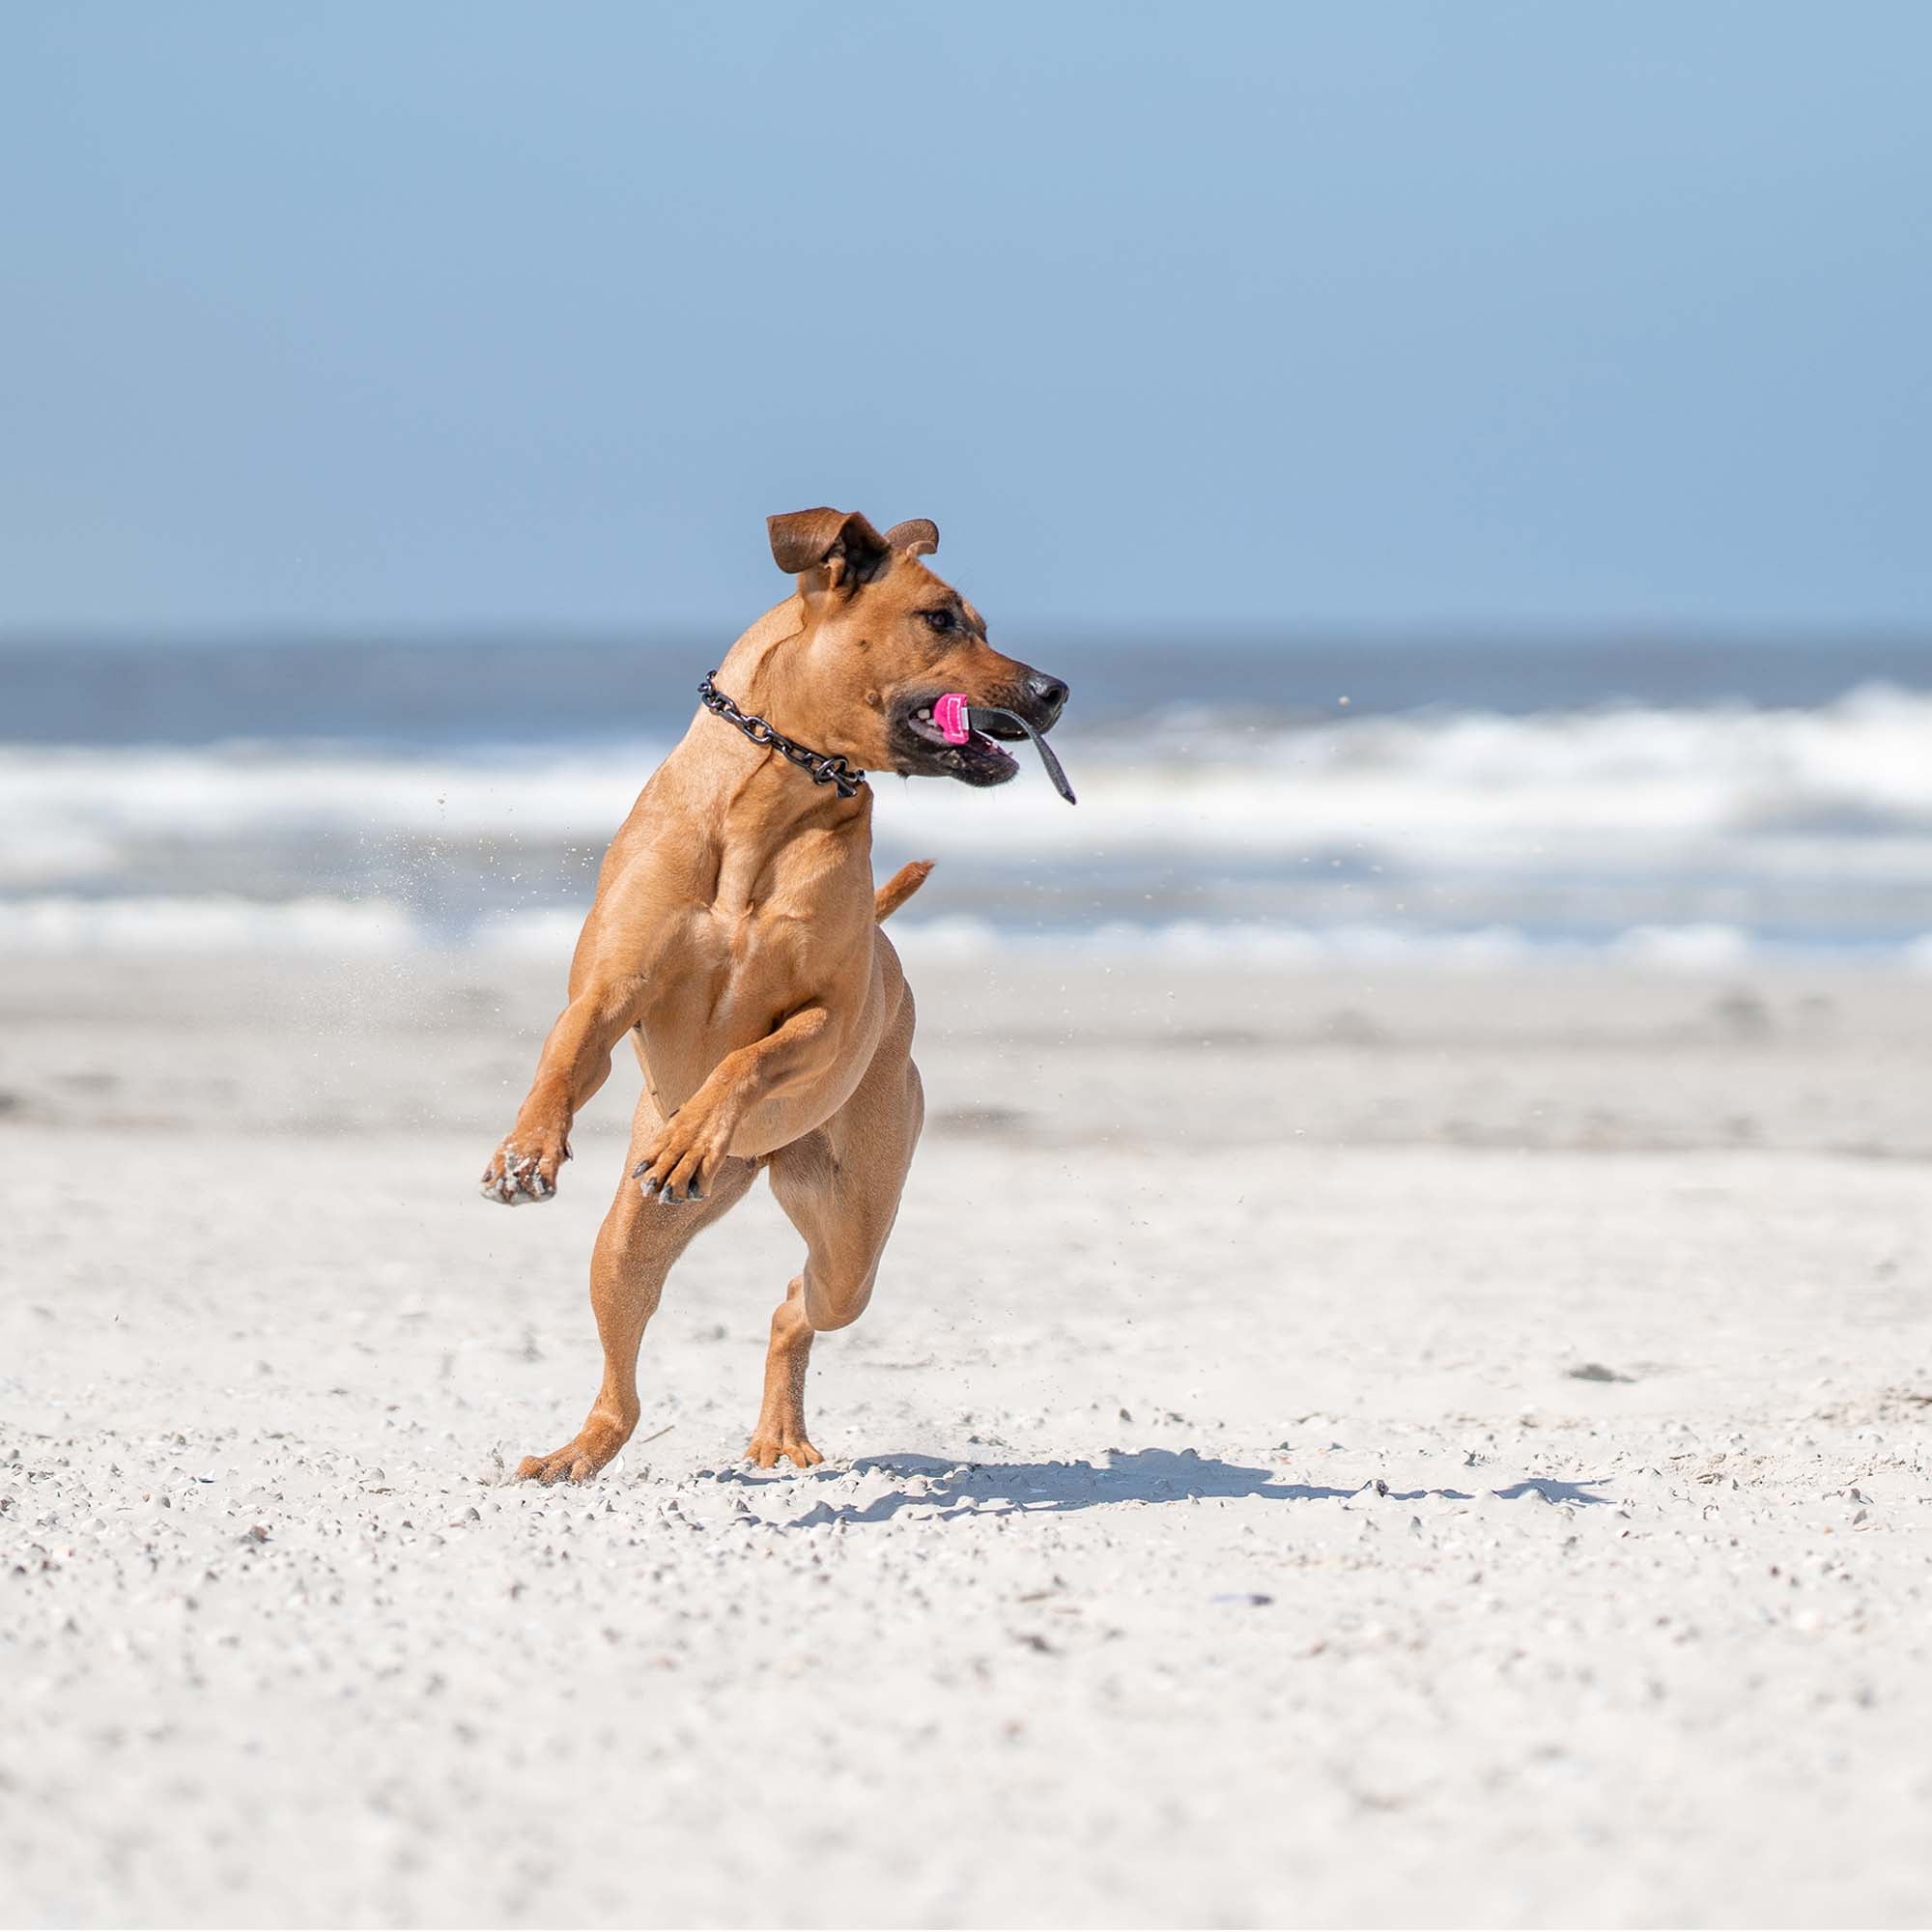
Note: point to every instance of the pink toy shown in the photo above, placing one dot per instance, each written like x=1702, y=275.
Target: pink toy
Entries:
x=949, y=713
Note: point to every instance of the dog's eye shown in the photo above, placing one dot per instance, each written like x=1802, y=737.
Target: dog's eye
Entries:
x=938, y=620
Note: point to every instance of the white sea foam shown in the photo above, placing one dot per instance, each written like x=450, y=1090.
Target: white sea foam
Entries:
x=219, y=925
x=110, y=798
x=215, y=924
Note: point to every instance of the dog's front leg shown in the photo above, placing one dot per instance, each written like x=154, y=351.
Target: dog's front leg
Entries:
x=576, y=1061
x=680, y=1163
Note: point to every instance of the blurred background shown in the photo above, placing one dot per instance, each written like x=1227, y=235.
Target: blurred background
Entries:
x=1471, y=464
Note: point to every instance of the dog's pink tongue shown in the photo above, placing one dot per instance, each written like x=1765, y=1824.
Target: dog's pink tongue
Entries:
x=949, y=713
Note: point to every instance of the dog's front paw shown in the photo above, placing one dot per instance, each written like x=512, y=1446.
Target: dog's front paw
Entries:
x=683, y=1159
x=525, y=1169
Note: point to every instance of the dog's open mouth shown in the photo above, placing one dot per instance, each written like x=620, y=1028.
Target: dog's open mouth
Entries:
x=949, y=738
x=982, y=761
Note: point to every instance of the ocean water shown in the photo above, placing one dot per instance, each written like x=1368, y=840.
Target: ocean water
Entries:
x=1684, y=803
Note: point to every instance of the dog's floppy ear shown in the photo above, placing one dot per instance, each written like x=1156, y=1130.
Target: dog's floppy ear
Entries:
x=838, y=547
x=917, y=536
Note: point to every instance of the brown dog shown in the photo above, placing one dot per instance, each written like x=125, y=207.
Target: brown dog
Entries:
x=735, y=937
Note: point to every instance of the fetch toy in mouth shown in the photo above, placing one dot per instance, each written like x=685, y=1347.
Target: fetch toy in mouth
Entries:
x=950, y=715
x=957, y=721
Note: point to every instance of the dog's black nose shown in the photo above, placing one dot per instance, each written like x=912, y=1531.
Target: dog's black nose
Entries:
x=1049, y=693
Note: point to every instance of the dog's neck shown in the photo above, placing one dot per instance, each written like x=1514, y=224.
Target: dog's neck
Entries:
x=763, y=674
x=767, y=800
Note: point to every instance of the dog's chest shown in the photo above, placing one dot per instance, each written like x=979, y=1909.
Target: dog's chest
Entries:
x=735, y=970
x=758, y=935
x=750, y=945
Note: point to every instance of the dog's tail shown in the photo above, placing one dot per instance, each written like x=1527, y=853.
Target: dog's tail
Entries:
x=899, y=887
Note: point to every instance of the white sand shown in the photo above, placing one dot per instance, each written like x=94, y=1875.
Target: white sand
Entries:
x=1100, y=1614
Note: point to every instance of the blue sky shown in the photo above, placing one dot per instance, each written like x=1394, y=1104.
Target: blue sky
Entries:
x=1175, y=317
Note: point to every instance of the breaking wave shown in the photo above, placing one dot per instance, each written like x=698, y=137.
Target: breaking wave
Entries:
x=1462, y=833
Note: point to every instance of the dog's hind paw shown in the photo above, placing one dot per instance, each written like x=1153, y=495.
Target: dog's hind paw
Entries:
x=514, y=1177
x=574, y=1462
x=767, y=1446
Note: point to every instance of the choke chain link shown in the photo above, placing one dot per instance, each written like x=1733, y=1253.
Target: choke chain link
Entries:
x=825, y=767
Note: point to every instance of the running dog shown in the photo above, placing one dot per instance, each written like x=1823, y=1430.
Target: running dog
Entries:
x=735, y=937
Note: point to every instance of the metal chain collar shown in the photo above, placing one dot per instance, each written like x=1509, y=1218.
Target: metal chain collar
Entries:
x=825, y=767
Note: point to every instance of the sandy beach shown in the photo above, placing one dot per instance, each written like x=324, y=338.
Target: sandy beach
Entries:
x=1325, y=1449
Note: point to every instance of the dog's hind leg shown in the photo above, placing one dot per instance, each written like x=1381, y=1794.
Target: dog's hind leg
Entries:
x=841, y=1186
x=781, y=1430
x=635, y=1246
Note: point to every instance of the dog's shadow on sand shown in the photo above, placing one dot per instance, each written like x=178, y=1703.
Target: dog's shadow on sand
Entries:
x=931, y=1483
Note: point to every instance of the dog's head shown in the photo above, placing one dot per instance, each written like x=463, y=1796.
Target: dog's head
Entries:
x=884, y=639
